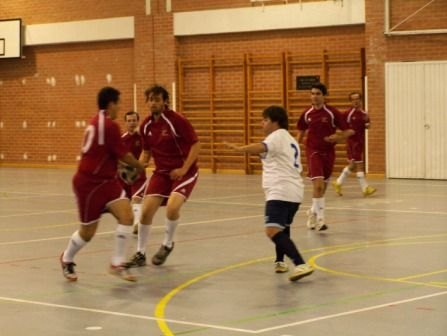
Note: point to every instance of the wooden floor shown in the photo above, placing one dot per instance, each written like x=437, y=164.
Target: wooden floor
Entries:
x=381, y=268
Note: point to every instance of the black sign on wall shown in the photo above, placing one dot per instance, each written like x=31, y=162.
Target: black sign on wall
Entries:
x=306, y=82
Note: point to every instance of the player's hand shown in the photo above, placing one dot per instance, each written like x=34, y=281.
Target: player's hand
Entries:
x=177, y=174
x=333, y=138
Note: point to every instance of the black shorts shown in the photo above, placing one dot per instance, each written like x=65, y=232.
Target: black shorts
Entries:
x=280, y=213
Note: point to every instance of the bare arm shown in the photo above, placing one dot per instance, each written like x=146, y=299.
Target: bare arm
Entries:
x=339, y=137
x=257, y=148
x=300, y=137
x=129, y=159
x=192, y=157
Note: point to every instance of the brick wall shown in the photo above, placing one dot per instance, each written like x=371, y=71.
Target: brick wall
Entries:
x=27, y=93
x=380, y=49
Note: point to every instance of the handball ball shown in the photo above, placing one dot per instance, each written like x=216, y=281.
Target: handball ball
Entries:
x=128, y=174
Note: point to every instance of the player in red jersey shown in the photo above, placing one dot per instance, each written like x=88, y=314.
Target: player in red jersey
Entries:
x=97, y=190
x=134, y=144
x=171, y=141
x=358, y=120
x=320, y=122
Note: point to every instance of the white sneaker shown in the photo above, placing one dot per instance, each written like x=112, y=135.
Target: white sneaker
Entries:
x=321, y=225
x=301, y=271
x=281, y=267
x=311, y=219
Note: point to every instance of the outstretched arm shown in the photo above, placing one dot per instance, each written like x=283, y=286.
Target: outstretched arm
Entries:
x=257, y=148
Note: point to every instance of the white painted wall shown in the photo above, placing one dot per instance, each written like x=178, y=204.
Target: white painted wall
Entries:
x=80, y=31
x=259, y=18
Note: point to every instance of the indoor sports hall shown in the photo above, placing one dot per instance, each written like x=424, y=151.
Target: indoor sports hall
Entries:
x=380, y=267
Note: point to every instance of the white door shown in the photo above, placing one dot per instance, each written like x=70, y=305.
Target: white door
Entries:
x=416, y=120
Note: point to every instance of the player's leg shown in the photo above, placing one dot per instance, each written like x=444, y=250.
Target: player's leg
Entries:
x=137, y=193
x=77, y=241
x=278, y=214
x=173, y=207
x=122, y=211
x=316, y=215
x=360, y=170
x=150, y=207
x=181, y=190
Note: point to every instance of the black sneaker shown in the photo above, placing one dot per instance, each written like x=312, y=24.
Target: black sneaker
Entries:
x=160, y=257
x=68, y=269
x=138, y=260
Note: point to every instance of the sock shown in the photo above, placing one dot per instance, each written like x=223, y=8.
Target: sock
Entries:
x=122, y=234
x=344, y=174
x=169, y=232
x=278, y=249
x=318, y=207
x=143, y=235
x=362, y=180
x=74, y=246
x=136, y=208
x=289, y=248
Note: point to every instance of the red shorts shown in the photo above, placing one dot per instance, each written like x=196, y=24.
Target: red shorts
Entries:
x=93, y=196
x=162, y=185
x=355, y=150
x=320, y=164
x=136, y=189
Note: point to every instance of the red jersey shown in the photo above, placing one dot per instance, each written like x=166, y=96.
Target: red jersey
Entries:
x=356, y=120
x=320, y=124
x=169, y=139
x=133, y=143
x=102, y=148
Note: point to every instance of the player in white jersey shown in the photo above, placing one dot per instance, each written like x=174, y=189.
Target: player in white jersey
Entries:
x=283, y=186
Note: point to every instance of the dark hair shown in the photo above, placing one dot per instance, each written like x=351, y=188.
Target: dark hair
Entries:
x=355, y=93
x=277, y=114
x=131, y=113
x=321, y=87
x=157, y=90
x=106, y=96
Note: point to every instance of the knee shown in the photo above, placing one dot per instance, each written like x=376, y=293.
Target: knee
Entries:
x=172, y=213
x=270, y=232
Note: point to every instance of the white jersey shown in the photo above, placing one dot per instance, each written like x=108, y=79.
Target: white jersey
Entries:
x=281, y=176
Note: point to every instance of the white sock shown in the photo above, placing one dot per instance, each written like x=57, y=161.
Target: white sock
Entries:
x=362, y=180
x=136, y=208
x=344, y=174
x=122, y=234
x=74, y=246
x=169, y=232
x=318, y=207
x=143, y=235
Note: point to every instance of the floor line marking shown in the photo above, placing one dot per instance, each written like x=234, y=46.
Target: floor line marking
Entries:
x=109, y=312
x=111, y=232
x=351, y=312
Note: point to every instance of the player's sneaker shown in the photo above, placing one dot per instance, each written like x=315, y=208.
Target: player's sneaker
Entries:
x=138, y=260
x=122, y=271
x=68, y=269
x=311, y=219
x=160, y=257
x=301, y=271
x=321, y=225
x=281, y=267
x=337, y=187
x=369, y=191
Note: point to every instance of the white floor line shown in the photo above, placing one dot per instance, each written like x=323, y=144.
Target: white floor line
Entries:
x=142, y=317
x=350, y=312
x=162, y=227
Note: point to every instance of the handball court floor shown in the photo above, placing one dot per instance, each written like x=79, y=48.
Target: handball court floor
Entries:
x=381, y=268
